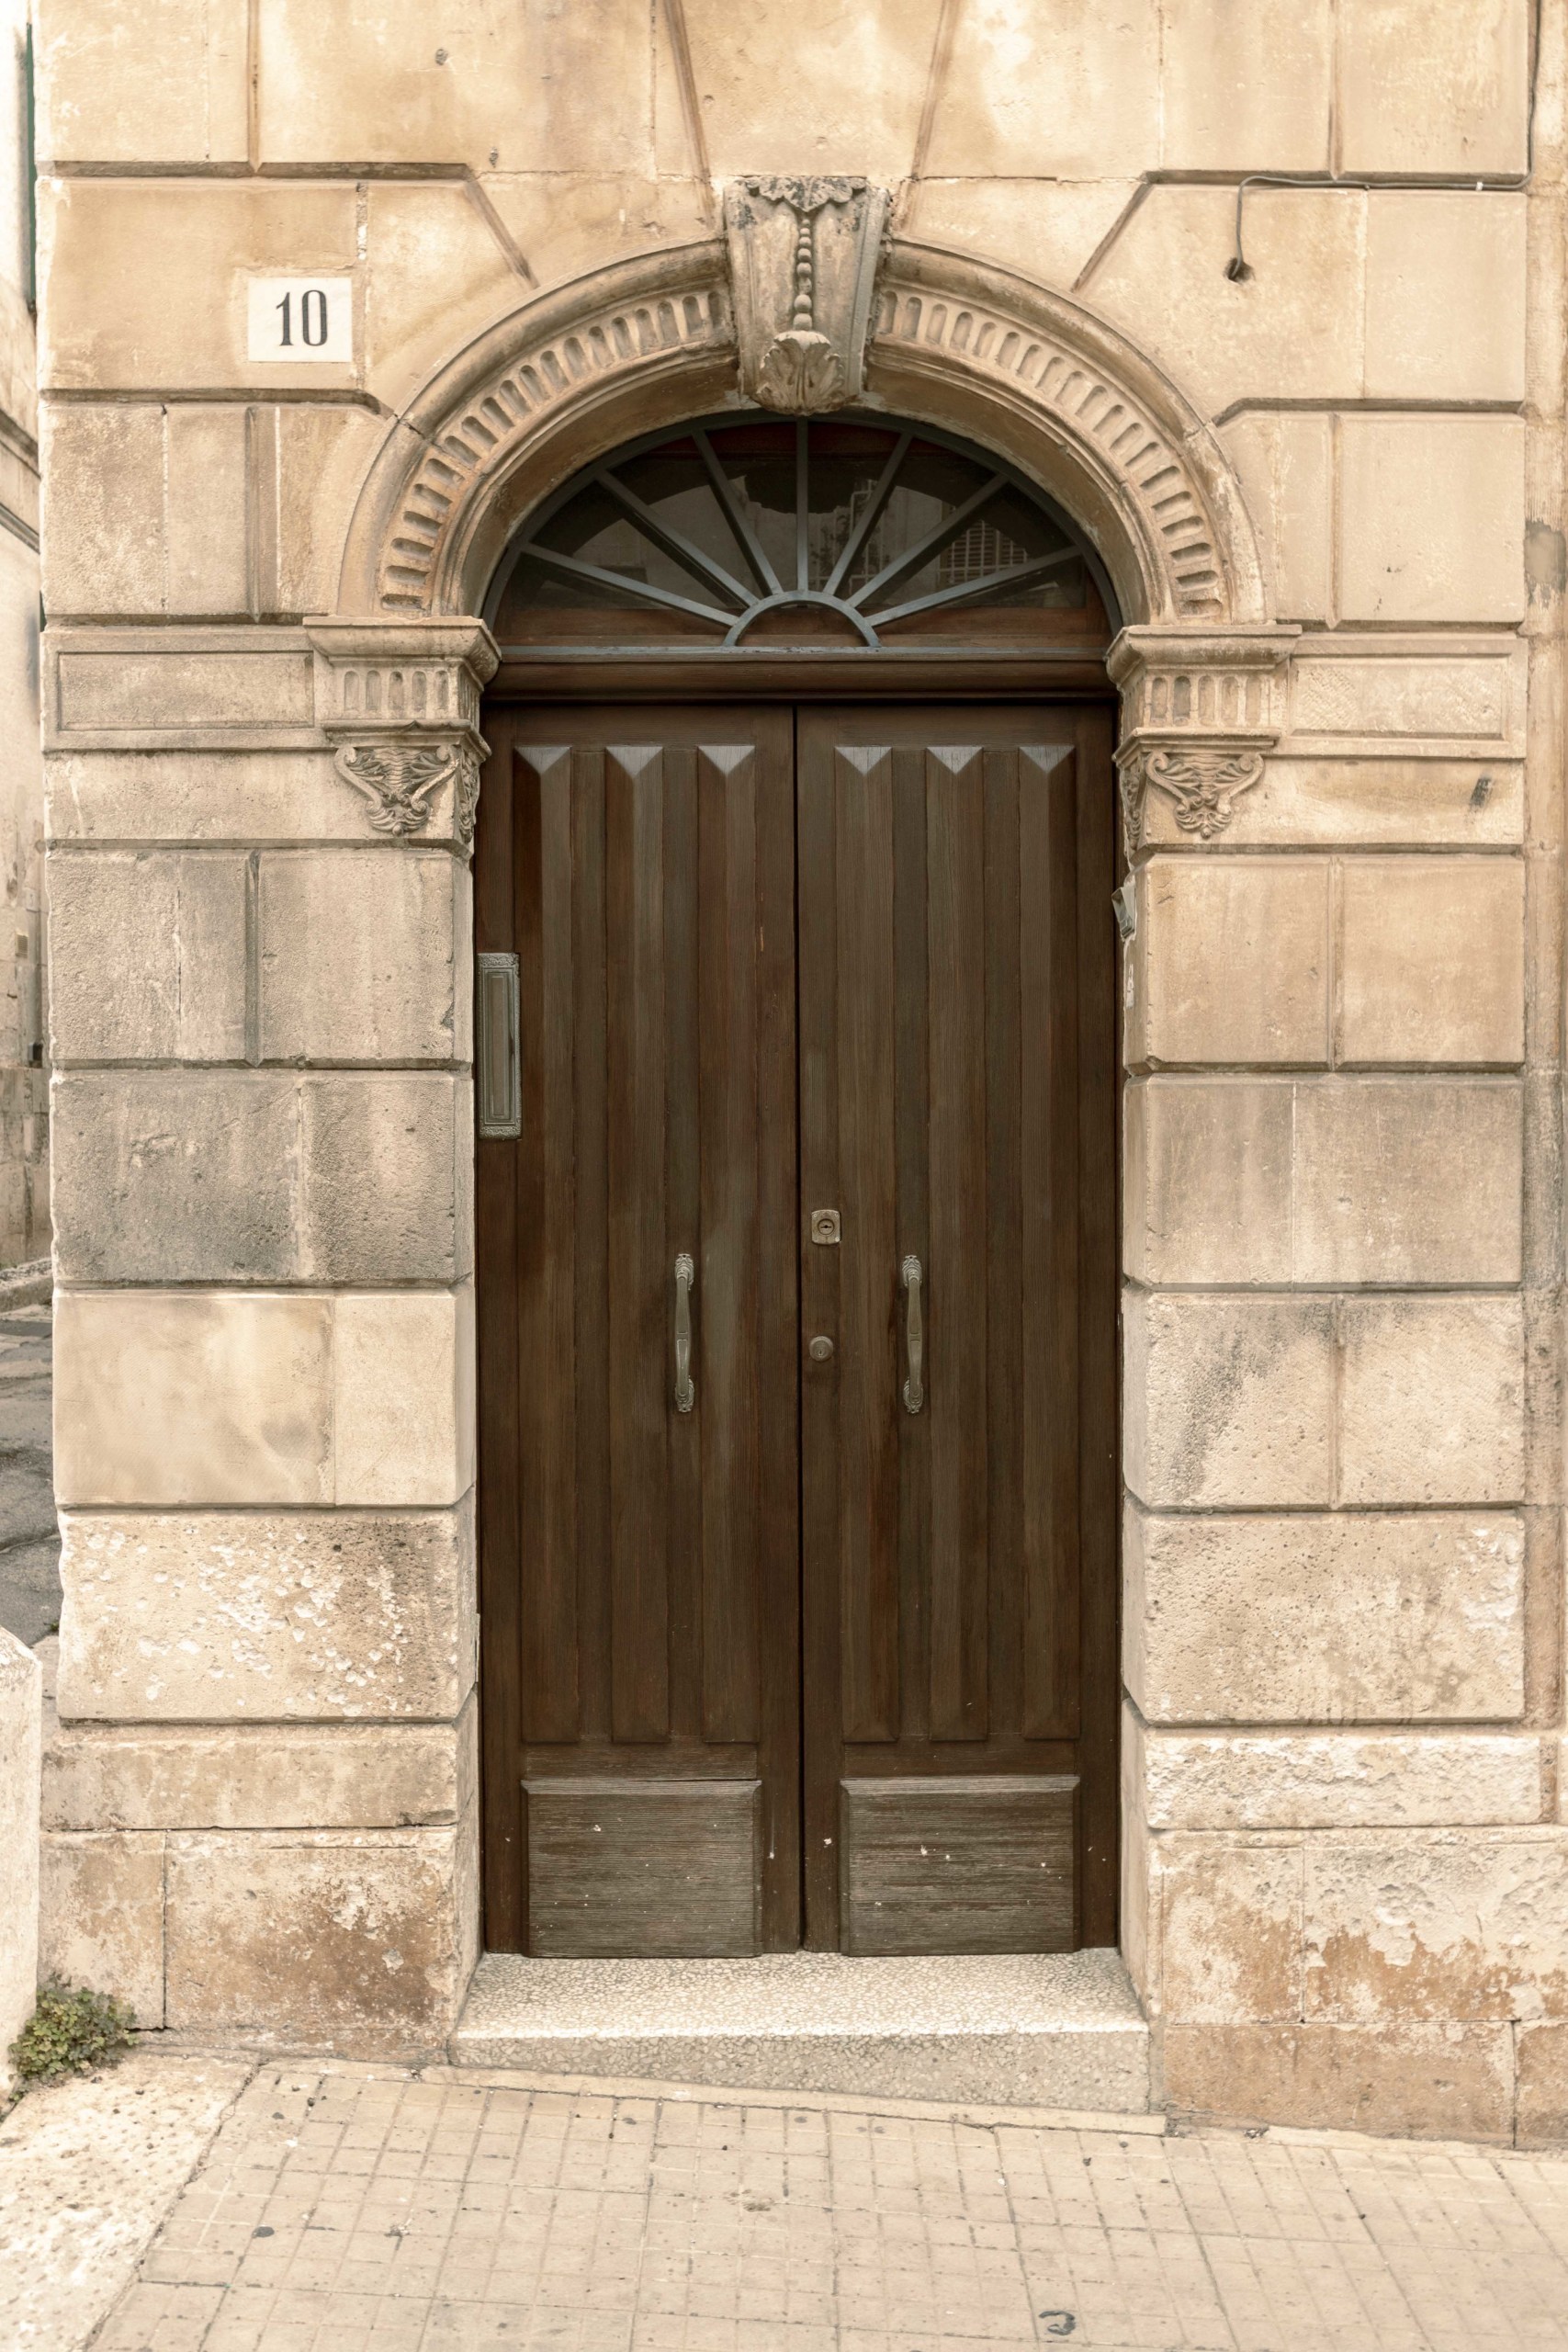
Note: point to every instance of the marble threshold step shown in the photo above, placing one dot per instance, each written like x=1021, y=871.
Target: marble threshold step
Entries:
x=1061, y=2030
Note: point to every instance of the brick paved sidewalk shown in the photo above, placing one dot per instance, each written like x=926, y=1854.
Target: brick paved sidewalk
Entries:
x=344, y=2206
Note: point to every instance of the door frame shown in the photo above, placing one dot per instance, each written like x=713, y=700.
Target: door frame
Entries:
x=635, y=679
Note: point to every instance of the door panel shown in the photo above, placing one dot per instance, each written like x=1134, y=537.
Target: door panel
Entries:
x=947, y=973
x=653, y=1550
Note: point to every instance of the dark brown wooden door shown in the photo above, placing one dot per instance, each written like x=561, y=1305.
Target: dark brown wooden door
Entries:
x=855, y=962
x=956, y=1112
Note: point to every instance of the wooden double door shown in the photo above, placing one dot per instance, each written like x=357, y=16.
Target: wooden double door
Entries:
x=798, y=1330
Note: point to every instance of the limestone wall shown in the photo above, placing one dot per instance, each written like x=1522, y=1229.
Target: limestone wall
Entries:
x=1346, y=1897
x=24, y=1096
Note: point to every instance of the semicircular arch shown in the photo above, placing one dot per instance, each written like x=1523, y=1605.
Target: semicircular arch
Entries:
x=956, y=343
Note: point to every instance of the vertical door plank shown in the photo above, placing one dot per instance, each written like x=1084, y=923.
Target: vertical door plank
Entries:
x=869, y=1376
x=546, y=1316
x=496, y=1173
x=686, y=1115
x=912, y=1141
x=642, y=1283
x=1051, y=1126
x=1008, y=1328
x=823, y=1486
x=955, y=1328
x=591, y=1125
x=728, y=1397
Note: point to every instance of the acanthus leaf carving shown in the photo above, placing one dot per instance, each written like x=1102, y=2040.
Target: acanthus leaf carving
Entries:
x=1203, y=781
x=400, y=703
x=1200, y=710
x=400, y=777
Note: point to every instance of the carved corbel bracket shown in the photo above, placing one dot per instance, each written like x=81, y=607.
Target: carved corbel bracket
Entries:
x=803, y=256
x=1199, y=708
x=399, y=704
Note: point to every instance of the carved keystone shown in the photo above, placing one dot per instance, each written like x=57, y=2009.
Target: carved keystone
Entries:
x=398, y=702
x=1199, y=708
x=803, y=256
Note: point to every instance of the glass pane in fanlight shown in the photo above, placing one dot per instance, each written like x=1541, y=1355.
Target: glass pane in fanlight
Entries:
x=758, y=462
x=596, y=530
x=673, y=481
x=1009, y=533
x=847, y=462
x=932, y=484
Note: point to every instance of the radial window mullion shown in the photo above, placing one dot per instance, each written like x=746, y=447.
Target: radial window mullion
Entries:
x=674, y=543
x=574, y=569
x=802, y=508
x=934, y=540
x=746, y=538
x=869, y=520
x=1012, y=574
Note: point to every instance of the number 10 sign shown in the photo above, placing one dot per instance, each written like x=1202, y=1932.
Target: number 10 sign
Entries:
x=295, y=321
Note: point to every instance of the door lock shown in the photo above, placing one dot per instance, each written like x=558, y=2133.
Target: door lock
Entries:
x=825, y=1227
x=820, y=1348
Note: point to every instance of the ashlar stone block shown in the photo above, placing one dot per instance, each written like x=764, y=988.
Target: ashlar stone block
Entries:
x=1430, y=961
x=1229, y=1400
x=1231, y=1928
x=262, y=1176
x=1431, y=519
x=1445, y=295
x=101, y=1915
x=1207, y=1183
x=266, y=1617
x=820, y=89
x=174, y=94
x=174, y=922
x=21, y=1703
x=1408, y=1180
x=264, y=1396
x=1095, y=113
x=365, y=955
x=1304, y=1618
x=243, y=1776
x=1232, y=1780
x=1246, y=89
x=1443, y=2081
x=1431, y=1399
x=1286, y=466
x=1231, y=958
x=342, y=1933
x=1464, y=1926
x=1425, y=89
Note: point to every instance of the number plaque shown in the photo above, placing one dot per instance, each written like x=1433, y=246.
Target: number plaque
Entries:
x=293, y=322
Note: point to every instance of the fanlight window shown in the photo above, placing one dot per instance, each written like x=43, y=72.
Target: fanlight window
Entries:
x=755, y=531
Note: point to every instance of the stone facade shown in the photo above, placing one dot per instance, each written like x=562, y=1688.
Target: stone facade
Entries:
x=24, y=1081
x=1317, y=434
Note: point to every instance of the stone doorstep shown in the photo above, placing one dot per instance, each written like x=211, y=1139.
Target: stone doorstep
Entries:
x=1063, y=2031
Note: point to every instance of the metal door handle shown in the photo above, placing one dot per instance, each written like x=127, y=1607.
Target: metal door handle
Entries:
x=914, y=1335
x=685, y=1275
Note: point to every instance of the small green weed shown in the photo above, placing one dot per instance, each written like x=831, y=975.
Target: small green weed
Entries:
x=70, y=2031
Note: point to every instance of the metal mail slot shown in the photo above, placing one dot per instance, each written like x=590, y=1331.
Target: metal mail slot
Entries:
x=499, y=1054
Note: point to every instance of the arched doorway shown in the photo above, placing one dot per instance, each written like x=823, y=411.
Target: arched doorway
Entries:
x=797, y=1207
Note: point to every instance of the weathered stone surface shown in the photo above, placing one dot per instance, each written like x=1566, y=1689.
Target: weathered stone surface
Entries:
x=266, y=1396
x=1445, y=295
x=235, y=1176
x=1230, y=1929
x=1450, y=2082
x=1337, y=1780
x=104, y=332
x=1448, y=1925
x=1352, y=801
x=424, y=237
x=1406, y=555
x=1043, y=228
x=177, y=923
x=845, y=93
x=360, y=956
x=101, y=1915
x=256, y=1617
x=1371, y=1617
x=104, y=508
x=338, y=1932
x=1407, y=1179
x=242, y=1776
x=166, y=1396
x=1431, y=1400
x=1430, y=960
x=193, y=796
x=1228, y=1399
x=21, y=1705
x=1249, y=90
x=1286, y=467
x=1434, y=90
x=176, y=93
x=1232, y=961
x=1541, y=2116
x=1095, y=114
x=1207, y=1183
